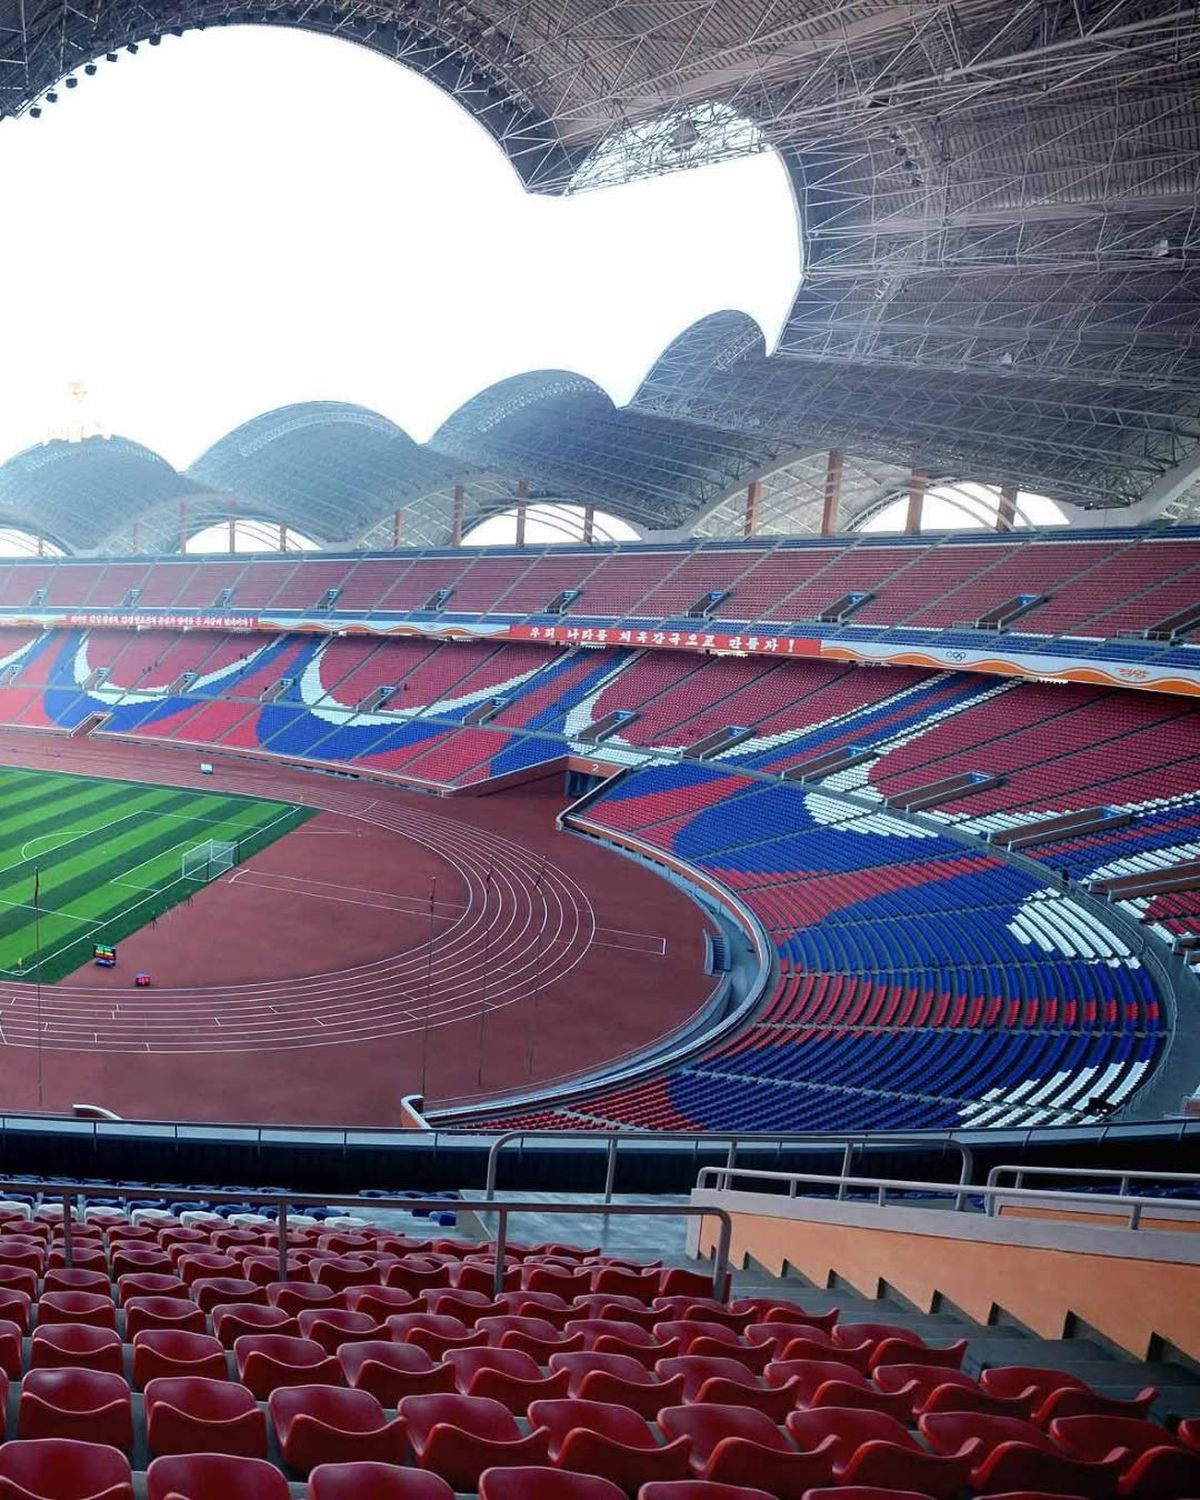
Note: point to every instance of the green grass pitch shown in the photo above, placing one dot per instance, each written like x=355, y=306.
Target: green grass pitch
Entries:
x=110, y=855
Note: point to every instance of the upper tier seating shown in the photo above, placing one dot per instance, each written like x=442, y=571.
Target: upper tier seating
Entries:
x=1094, y=586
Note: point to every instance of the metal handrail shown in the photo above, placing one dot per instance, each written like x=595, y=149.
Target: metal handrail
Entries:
x=881, y=1186
x=70, y=1195
x=734, y=1140
x=1091, y=1174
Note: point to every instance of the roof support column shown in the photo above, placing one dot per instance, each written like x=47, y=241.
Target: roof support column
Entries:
x=1006, y=510
x=750, y=518
x=41, y=545
x=137, y=533
x=916, y=501
x=456, y=516
x=232, y=525
x=183, y=525
x=397, y=528
x=589, y=525
x=522, y=498
x=283, y=536
x=833, y=492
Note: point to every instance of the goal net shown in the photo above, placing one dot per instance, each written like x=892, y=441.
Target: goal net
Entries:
x=208, y=860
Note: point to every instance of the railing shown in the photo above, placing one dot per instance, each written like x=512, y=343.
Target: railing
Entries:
x=849, y=1144
x=1088, y=1174
x=720, y=1178
x=71, y=1195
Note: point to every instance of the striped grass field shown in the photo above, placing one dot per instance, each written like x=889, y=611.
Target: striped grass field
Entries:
x=107, y=856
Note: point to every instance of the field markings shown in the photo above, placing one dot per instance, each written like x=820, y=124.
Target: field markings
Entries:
x=632, y=942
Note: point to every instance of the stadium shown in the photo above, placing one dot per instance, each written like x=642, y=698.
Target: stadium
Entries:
x=642, y=936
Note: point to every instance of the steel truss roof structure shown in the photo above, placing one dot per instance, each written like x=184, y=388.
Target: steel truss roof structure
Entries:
x=999, y=202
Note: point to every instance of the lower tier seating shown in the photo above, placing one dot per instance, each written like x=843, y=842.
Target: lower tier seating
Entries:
x=166, y=1355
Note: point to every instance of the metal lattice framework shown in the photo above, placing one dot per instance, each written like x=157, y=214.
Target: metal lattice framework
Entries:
x=999, y=201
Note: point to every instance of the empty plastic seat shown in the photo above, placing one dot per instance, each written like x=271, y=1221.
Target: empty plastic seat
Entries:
x=594, y=1437
x=319, y=1424
x=60, y=1469
x=505, y=1375
x=737, y=1445
x=294, y=1296
x=703, y=1489
x=215, y=1291
x=75, y=1307
x=77, y=1345
x=1021, y=1466
x=380, y=1302
x=231, y=1320
x=16, y=1307
x=266, y=1361
x=72, y=1279
x=165, y=1352
x=946, y=1432
x=372, y=1481
x=390, y=1372
x=615, y=1378
x=1038, y=1386
x=331, y=1327
x=92, y=1406
x=727, y=1382
x=142, y=1313
x=433, y=1332
x=214, y=1476
x=151, y=1285
x=545, y=1484
x=895, y=1351
x=459, y=1437
x=196, y=1415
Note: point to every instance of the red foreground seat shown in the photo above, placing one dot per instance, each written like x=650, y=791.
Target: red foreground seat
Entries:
x=390, y=1372
x=162, y=1352
x=323, y=1424
x=371, y=1481
x=78, y=1346
x=75, y=1307
x=194, y=1415
x=545, y=1484
x=142, y=1313
x=704, y=1489
x=593, y=1437
x=505, y=1375
x=459, y=1437
x=1039, y=1388
x=59, y=1469
x=267, y=1361
x=90, y=1406
x=232, y=1319
x=615, y=1378
x=737, y=1445
x=214, y=1476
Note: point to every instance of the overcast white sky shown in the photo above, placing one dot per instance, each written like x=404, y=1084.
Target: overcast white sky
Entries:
x=243, y=218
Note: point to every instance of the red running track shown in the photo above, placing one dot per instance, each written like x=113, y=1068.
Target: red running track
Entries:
x=304, y=988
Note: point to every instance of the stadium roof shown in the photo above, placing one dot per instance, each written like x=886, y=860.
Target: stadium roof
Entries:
x=999, y=203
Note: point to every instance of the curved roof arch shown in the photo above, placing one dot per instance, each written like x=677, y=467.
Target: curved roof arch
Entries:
x=79, y=492
x=330, y=468
x=562, y=433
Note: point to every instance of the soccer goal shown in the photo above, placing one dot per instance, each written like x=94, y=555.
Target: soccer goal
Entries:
x=204, y=862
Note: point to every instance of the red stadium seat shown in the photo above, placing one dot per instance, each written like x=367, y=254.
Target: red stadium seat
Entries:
x=342, y=1271
x=505, y=1375
x=331, y=1327
x=459, y=1437
x=805, y=1377
x=15, y=1307
x=545, y=1484
x=214, y=1476
x=194, y=1415
x=840, y=1393
x=780, y=1310
x=619, y=1380
x=165, y=1352
x=59, y=1469
x=63, y=1279
x=142, y=1313
x=323, y=1424
x=476, y=1276
x=433, y=1332
x=91, y=1406
x=1037, y=1386
x=20, y=1279
x=202, y=1267
x=726, y=1382
x=897, y=1351
x=1162, y=1473
x=703, y=1489
x=231, y=1320
x=1021, y=1466
x=392, y=1371
x=778, y=1335
x=295, y=1296
x=737, y=1445
x=266, y=1361
x=379, y=1302
x=151, y=1285
x=644, y=1285
x=132, y=1260
x=414, y=1275
x=593, y=1437
x=76, y=1345
x=73, y=1307
x=215, y=1291
x=371, y=1481
x=849, y=1429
